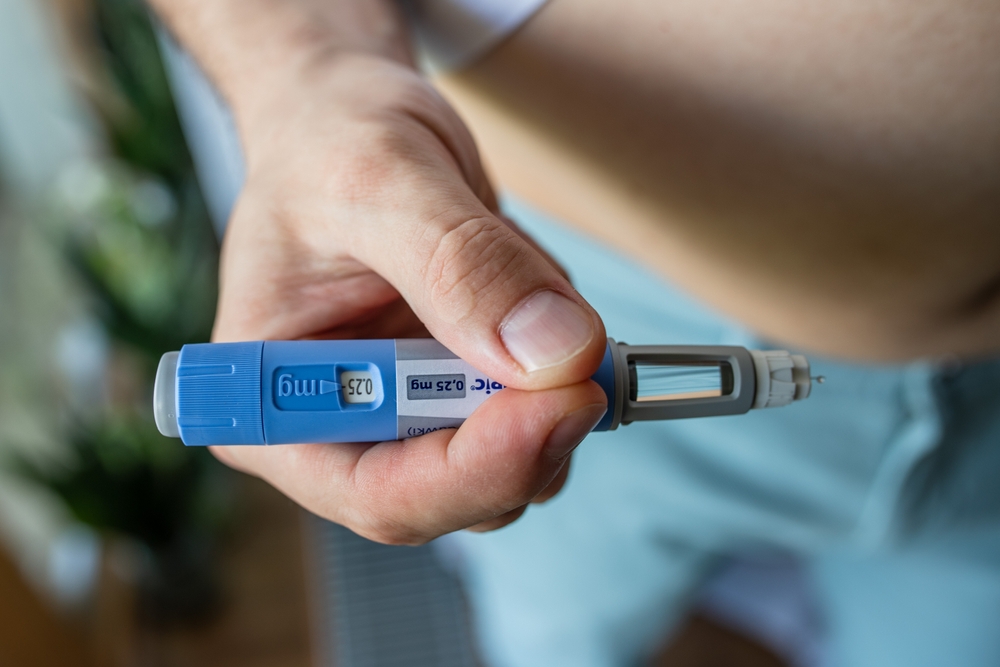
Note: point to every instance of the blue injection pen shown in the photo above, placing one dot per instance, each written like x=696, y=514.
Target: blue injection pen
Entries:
x=283, y=392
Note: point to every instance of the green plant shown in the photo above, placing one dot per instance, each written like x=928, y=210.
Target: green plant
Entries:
x=134, y=230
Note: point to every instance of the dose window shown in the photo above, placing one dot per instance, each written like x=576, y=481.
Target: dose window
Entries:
x=358, y=387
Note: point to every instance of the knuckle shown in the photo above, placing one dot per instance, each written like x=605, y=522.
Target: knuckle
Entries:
x=472, y=262
x=363, y=168
x=391, y=533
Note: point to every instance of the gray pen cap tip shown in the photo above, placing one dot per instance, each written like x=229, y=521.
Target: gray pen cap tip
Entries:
x=782, y=378
x=165, y=396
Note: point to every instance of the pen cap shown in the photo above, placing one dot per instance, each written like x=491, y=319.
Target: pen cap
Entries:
x=216, y=394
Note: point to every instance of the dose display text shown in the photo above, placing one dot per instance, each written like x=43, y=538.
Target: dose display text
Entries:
x=358, y=387
x=423, y=387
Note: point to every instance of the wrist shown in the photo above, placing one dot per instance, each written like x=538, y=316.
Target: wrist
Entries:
x=250, y=47
x=329, y=93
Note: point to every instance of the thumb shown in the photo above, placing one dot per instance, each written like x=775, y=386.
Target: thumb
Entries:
x=486, y=293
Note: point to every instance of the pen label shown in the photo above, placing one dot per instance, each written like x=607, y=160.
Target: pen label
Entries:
x=305, y=388
x=435, y=389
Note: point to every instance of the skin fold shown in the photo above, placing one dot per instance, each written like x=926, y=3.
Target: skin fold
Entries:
x=826, y=173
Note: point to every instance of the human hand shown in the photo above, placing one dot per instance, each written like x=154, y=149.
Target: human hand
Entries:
x=366, y=213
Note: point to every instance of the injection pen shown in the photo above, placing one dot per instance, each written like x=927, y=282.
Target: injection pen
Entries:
x=284, y=392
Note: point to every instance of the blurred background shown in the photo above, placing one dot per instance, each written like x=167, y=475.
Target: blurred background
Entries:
x=118, y=546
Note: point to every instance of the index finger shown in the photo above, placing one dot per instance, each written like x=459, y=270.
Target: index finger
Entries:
x=408, y=492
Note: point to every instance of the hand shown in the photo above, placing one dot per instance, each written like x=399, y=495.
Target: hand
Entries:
x=366, y=213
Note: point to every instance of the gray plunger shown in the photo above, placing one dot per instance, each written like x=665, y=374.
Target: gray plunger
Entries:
x=165, y=396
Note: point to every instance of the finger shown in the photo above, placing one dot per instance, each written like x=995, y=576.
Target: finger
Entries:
x=494, y=300
x=503, y=520
x=477, y=285
x=448, y=124
x=534, y=244
x=224, y=455
x=274, y=286
x=407, y=492
x=555, y=486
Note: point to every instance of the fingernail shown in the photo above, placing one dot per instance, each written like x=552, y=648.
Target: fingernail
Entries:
x=571, y=431
x=545, y=330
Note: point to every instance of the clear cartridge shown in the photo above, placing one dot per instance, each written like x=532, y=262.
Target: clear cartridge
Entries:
x=283, y=392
